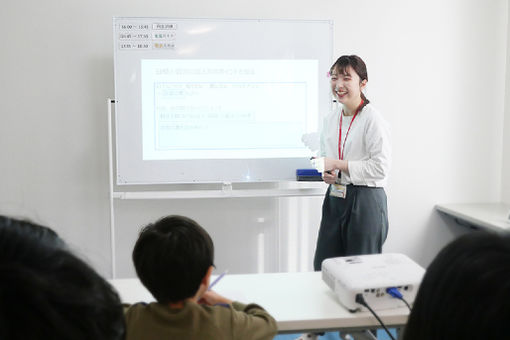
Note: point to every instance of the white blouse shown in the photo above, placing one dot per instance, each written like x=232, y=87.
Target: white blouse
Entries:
x=367, y=149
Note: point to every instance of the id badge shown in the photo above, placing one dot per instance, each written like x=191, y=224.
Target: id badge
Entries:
x=338, y=190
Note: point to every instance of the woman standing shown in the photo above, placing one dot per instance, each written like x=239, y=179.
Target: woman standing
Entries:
x=356, y=146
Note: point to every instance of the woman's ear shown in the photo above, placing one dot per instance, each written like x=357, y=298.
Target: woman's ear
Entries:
x=363, y=84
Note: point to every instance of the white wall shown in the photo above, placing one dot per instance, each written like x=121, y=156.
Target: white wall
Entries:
x=505, y=185
x=436, y=70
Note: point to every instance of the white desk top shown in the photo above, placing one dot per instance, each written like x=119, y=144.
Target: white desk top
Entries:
x=492, y=216
x=298, y=301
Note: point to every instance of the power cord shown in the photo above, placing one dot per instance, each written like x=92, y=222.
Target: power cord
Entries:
x=393, y=291
x=361, y=300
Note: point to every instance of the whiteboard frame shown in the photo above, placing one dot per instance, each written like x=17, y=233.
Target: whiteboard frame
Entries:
x=132, y=170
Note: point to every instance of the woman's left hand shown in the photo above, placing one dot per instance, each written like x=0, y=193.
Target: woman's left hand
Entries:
x=331, y=164
x=330, y=177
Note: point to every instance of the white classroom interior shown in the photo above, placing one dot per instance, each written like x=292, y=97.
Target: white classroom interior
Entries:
x=438, y=71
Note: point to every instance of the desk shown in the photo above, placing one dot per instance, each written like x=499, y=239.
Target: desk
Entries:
x=300, y=302
x=493, y=216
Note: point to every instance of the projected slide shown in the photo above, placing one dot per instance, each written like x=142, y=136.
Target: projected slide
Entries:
x=227, y=109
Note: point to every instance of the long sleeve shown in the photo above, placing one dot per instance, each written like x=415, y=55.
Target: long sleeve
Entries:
x=367, y=147
x=374, y=167
x=322, y=141
x=252, y=322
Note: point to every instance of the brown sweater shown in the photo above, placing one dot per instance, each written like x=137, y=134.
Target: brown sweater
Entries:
x=155, y=321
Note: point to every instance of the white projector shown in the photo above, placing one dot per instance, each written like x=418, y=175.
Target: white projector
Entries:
x=371, y=275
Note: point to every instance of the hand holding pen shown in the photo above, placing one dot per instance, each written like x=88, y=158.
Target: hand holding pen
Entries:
x=212, y=298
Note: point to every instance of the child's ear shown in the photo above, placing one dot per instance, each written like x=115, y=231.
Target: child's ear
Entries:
x=204, y=285
x=207, y=277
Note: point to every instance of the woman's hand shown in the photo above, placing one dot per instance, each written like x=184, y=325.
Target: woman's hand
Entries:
x=331, y=164
x=332, y=167
x=330, y=177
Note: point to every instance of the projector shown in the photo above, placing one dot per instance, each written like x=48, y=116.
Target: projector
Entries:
x=370, y=276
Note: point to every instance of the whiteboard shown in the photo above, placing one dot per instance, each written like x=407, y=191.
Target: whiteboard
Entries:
x=214, y=100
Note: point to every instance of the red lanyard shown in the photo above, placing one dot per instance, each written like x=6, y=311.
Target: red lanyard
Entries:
x=341, y=147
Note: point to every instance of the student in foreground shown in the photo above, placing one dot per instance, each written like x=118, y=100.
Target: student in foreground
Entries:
x=174, y=260
x=46, y=292
x=465, y=293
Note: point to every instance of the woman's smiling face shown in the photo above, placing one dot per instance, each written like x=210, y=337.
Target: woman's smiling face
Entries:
x=346, y=85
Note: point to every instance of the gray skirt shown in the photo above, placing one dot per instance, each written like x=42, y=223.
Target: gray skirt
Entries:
x=354, y=225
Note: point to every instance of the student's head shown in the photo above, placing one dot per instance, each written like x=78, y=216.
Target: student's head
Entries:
x=172, y=257
x=48, y=293
x=465, y=293
x=349, y=77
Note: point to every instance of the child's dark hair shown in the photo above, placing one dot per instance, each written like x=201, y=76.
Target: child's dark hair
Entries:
x=46, y=292
x=465, y=292
x=358, y=66
x=172, y=256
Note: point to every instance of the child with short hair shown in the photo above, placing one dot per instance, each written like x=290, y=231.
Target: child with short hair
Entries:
x=174, y=260
x=465, y=292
